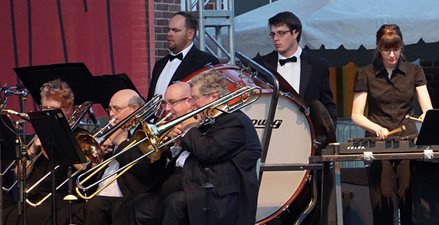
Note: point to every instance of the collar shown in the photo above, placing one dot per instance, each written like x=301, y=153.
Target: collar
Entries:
x=380, y=69
x=184, y=51
x=297, y=54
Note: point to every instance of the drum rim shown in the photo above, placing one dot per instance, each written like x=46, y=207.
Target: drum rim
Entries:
x=302, y=184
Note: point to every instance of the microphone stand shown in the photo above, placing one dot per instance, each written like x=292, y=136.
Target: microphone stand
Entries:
x=21, y=153
x=2, y=105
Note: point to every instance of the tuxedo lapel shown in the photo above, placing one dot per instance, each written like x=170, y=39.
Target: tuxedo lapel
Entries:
x=305, y=74
x=181, y=71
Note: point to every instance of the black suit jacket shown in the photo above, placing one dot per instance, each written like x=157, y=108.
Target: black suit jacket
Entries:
x=193, y=61
x=229, y=148
x=314, y=79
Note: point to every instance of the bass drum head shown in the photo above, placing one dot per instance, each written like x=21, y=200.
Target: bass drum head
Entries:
x=291, y=142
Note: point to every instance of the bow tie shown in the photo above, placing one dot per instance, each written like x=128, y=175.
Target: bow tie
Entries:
x=283, y=61
x=178, y=56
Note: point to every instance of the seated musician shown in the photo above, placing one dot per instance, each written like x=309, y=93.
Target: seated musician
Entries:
x=387, y=87
x=106, y=206
x=145, y=209
x=223, y=153
x=55, y=94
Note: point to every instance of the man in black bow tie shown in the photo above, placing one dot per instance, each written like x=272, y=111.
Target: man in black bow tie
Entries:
x=308, y=76
x=184, y=57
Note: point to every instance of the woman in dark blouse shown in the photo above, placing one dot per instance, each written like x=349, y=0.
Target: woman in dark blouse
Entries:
x=388, y=87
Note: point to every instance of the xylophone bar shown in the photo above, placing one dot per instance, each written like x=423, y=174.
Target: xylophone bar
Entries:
x=376, y=156
x=375, y=146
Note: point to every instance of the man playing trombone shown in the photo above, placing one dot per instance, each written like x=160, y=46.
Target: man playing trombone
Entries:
x=217, y=181
x=145, y=208
x=105, y=207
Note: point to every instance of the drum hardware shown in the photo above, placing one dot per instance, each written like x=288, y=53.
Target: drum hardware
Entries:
x=150, y=137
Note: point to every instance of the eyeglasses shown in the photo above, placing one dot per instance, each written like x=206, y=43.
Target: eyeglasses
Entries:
x=116, y=109
x=387, y=51
x=51, y=87
x=279, y=33
x=196, y=97
x=173, y=102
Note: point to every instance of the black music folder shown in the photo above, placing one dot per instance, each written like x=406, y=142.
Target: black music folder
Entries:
x=85, y=86
x=76, y=75
x=428, y=134
x=56, y=137
x=8, y=134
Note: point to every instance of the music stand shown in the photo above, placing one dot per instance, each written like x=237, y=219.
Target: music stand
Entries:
x=8, y=134
x=427, y=134
x=58, y=141
x=84, y=85
x=76, y=75
x=107, y=85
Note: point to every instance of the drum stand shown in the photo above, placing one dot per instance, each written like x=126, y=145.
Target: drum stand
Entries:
x=315, y=167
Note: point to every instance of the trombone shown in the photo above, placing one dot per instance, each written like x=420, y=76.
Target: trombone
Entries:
x=73, y=121
x=150, y=138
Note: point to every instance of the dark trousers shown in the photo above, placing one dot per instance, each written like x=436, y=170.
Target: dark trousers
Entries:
x=144, y=209
x=174, y=201
x=389, y=186
x=102, y=210
x=175, y=209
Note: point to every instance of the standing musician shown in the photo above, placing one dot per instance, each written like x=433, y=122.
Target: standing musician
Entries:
x=309, y=76
x=184, y=58
x=145, y=209
x=388, y=87
x=54, y=94
x=217, y=183
x=106, y=206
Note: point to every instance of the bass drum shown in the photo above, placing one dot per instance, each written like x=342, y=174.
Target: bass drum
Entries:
x=291, y=142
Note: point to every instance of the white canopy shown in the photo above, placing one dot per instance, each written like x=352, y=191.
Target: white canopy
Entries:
x=335, y=23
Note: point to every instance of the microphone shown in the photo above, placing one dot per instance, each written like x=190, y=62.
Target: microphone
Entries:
x=9, y=92
x=24, y=116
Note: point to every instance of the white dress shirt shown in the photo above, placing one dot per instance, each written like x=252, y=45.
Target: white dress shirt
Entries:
x=168, y=72
x=291, y=70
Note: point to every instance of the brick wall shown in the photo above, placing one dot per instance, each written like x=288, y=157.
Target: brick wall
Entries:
x=431, y=69
x=163, y=10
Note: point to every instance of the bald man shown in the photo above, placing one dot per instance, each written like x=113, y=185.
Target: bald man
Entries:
x=145, y=208
x=105, y=207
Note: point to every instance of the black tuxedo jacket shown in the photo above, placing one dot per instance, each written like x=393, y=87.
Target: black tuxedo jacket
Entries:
x=314, y=79
x=229, y=148
x=193, y=61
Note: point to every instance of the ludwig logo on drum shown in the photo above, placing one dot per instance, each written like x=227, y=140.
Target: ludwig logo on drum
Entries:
x=261, y=123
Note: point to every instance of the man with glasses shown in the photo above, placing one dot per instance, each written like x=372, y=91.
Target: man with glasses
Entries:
x=184, y=58
x=145, y=208
x=217, y=183
x=308, y=75
x=105, y=208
